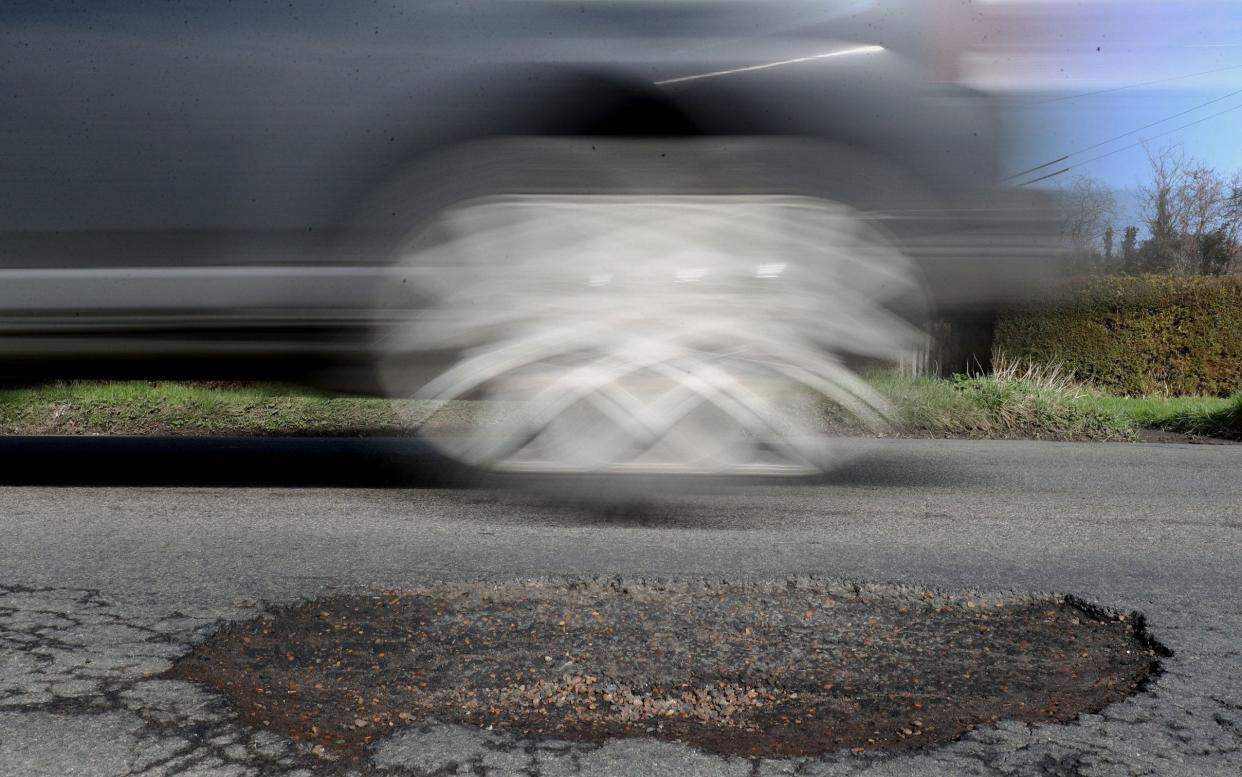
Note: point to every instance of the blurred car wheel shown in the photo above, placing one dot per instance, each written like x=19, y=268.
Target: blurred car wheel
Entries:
x=644, y=315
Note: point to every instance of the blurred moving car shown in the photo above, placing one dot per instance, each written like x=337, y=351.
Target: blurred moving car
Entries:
x=654, y=227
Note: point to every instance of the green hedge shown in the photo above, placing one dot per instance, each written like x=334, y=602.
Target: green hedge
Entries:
x=1135, y=335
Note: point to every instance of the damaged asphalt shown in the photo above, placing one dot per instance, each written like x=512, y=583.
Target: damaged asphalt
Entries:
x=102, y=588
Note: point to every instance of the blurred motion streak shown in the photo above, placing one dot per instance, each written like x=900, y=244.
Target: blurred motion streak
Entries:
x=653, y=236
x=765, y=66
x=659, y=328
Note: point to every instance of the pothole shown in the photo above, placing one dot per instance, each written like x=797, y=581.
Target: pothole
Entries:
x=794, y=668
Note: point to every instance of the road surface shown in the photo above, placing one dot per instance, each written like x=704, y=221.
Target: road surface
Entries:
x=101, y=586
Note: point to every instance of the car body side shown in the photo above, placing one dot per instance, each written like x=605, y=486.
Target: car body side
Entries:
x=180, y=185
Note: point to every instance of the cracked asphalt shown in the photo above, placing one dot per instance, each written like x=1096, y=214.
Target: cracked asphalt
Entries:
x=102, y=587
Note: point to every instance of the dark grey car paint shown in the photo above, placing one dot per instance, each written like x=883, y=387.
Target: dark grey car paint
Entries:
x=148, y=150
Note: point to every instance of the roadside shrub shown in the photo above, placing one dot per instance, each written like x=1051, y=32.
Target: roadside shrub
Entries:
x=1138, y=335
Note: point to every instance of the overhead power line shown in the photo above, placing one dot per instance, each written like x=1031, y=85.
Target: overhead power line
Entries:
x=1044, y=177
x=1038, y=167
x=1126, y=134
x=1132, y=145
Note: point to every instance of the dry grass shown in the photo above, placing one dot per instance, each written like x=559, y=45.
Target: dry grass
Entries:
x=1045, y=377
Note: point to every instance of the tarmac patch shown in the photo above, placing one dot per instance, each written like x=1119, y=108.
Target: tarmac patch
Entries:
x=782, y=669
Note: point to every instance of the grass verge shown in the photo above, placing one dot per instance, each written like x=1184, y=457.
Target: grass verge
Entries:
x=1009, y=404
x=993, y=407
x=139, y=407
x=1024, y=400
x=1197, y=416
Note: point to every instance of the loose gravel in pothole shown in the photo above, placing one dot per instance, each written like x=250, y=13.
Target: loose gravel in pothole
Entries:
x=786, y=669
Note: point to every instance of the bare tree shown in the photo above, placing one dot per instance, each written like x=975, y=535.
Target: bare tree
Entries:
x=1088, y=208
x=1160, y=207
x=1192, y=212
x=1231, y=229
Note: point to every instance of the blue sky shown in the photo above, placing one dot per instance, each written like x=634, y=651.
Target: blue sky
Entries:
x=1084, y=81
x=1057, y=128
x=1054, y=129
